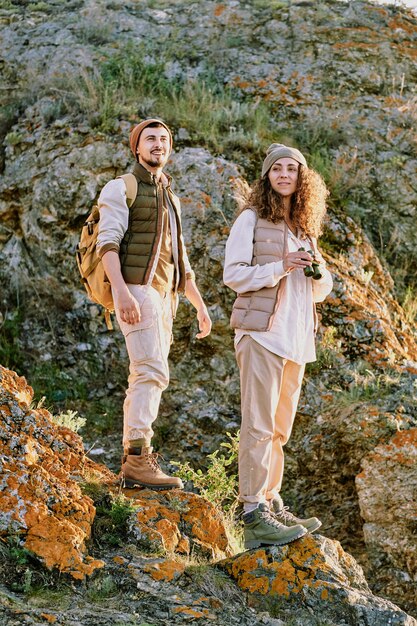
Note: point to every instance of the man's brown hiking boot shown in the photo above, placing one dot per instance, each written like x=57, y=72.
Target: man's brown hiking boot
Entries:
x=284, y=516
x=143, y=471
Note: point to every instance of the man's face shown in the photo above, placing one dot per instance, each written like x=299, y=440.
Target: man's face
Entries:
x=154, y=146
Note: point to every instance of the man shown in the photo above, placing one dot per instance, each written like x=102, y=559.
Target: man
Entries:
x=145, y=259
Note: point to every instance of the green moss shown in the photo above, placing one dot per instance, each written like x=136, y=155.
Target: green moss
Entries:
x=21, y=571
x=113, y=511
x=102, y=588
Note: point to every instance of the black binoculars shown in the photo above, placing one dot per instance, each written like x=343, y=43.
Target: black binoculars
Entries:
x=313, y=270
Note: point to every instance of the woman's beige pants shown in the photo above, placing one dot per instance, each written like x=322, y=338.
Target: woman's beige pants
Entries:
x=270, y=389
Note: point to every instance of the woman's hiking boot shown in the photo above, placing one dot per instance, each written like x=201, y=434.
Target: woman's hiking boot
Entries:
x=140, y=468
x=284, y=516
x=261, y=528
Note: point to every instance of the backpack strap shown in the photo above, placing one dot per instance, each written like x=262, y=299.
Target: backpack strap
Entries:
x=107, y=319
x=131, y=188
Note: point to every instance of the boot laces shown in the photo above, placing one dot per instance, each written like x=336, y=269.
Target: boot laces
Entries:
x=152, y=460
x=270, y=520
x=286, y=515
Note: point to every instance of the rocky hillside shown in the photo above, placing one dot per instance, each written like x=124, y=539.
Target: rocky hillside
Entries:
x=164, y=557
x=336, y=79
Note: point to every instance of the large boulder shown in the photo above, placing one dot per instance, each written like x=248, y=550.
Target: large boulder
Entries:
x=41, y=501
x=314, y=579
x=178, y=522
x=387, y=487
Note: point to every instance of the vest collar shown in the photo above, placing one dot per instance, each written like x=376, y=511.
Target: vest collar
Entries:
x=145, y=175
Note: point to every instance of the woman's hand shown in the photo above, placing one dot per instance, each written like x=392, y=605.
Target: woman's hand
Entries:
x=297, y=260
x=127, y=306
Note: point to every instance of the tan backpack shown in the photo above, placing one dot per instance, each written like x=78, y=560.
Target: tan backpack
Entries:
x=89, y=263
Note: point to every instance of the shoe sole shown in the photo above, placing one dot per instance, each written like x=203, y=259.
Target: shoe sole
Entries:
x=250, y=545
x=126, y=483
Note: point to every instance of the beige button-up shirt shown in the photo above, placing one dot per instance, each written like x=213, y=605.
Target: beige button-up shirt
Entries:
x=291, y=335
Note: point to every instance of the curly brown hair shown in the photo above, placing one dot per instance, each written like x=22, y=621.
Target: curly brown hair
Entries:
x=308, y=203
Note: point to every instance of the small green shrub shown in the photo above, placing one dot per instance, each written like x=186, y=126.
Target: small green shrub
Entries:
x=218, y=483
x=20, y=570
x=16, y=553
x=366, y=386
x=39, y=6
x=328, y=352
x=95, y=33
x=70, y=420
x=409, y=305
x=13, y=138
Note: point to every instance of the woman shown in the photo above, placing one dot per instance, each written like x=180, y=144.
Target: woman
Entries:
x=271, y=243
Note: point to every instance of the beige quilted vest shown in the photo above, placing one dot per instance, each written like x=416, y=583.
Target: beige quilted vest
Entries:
x=254, y=310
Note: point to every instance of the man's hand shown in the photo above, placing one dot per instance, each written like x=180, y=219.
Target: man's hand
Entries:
x=193, y=295
x=127, y=306
x=297, y=260
x=204, y=323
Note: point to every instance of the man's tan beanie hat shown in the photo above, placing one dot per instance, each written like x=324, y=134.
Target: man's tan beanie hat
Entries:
x=279, y=151
x=136, y=131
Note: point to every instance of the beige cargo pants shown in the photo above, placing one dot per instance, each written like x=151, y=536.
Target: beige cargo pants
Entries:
x=270, y=390
x=148, y=343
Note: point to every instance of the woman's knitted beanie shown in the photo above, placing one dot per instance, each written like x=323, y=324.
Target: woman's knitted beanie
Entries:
x=278, y=151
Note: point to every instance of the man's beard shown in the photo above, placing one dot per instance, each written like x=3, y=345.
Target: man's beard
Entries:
x=155, y=162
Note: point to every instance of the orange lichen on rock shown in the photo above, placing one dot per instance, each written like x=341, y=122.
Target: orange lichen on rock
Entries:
x=254, y=582
x=206, y=525
x=369, y=311
x=183, y=546
x=192, y=613
x=219, y=9
x=40, y=499
x=169, y=532
x=119, y=560
x=175, y=521
x=16, y=386
x=49, y=617
x=313, y=562
x=166, y=570
x=406, y=438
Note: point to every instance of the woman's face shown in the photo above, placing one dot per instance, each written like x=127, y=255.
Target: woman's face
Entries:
x=283, y=176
